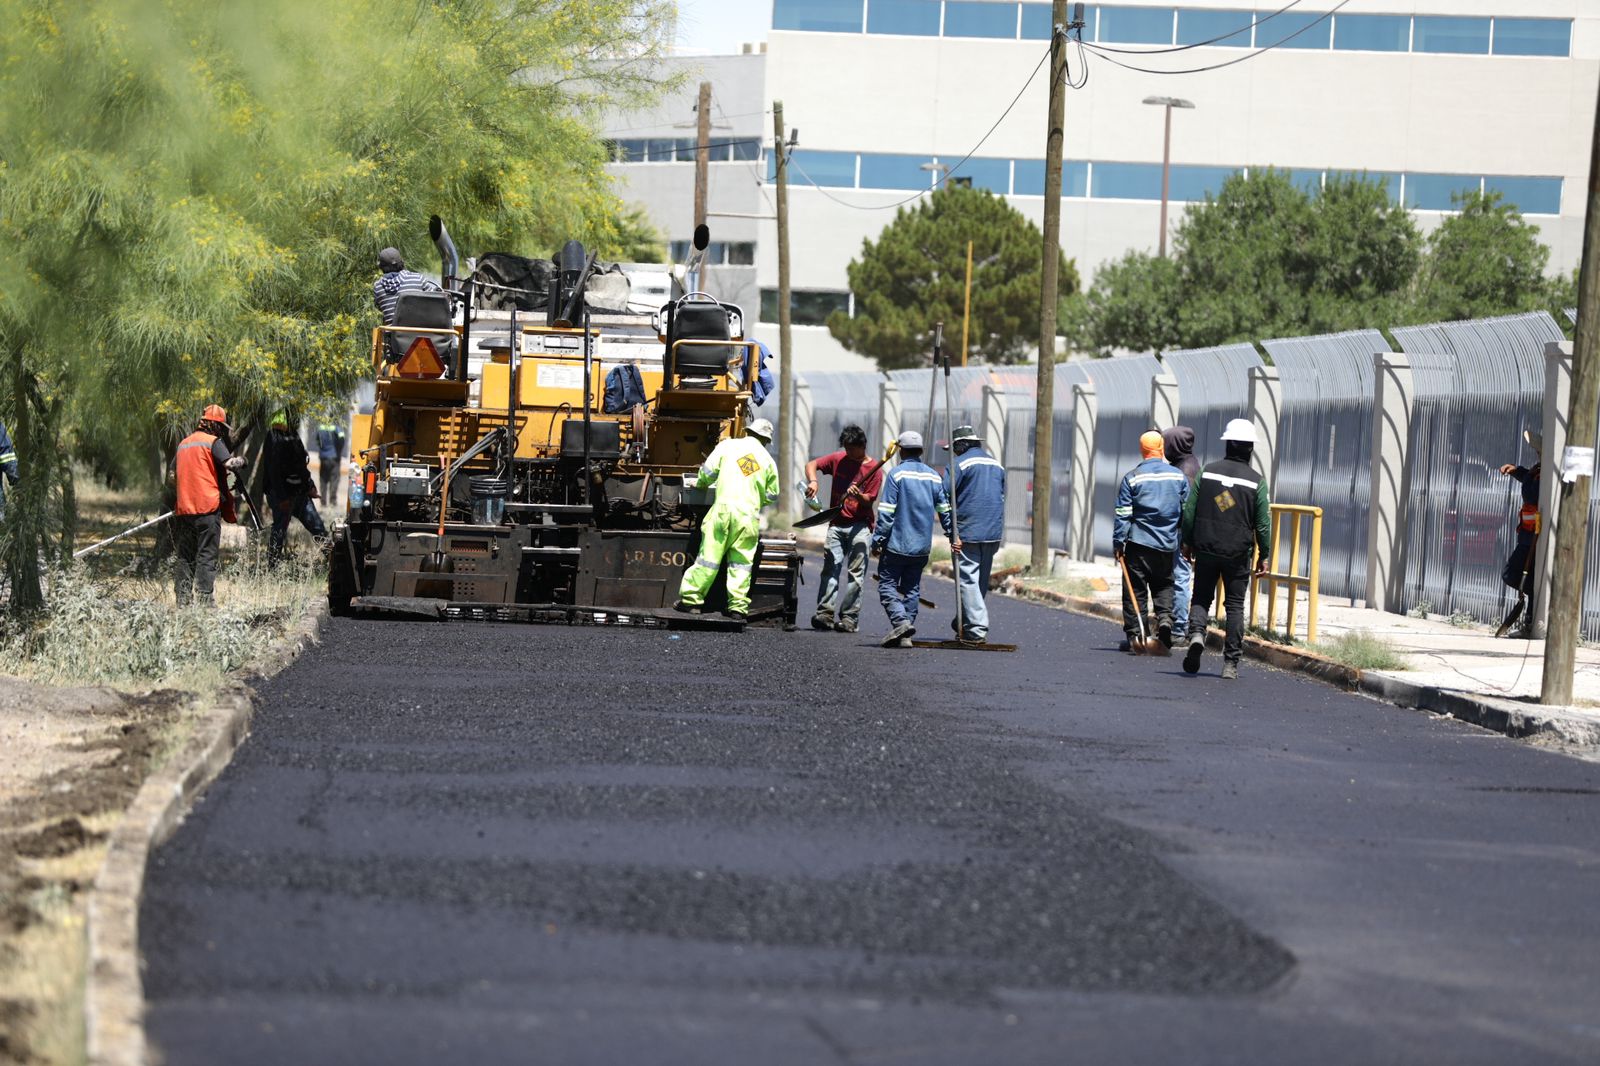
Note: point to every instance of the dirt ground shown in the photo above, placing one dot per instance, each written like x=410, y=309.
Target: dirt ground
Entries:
x=73, y=760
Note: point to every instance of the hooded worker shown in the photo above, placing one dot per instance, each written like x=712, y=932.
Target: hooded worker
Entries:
x=204, y=503
x=1179, y=441
x=1518, y=572
x=1227, y=522
x=1145, y=537
x=746, y=481
x=291, y=494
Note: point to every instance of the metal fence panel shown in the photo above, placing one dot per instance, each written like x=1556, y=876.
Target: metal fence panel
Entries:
x=1122, y=391
x=1325, y=443
x=1213, y=389
x=1478, y=386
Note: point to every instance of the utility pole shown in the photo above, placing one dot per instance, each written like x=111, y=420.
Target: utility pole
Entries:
x=1044, y=401
x=966, y=315
x=702, y=152
x=1572, y=531
x=785, y=342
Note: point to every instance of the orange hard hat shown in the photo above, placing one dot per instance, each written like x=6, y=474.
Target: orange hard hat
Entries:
x=215, y=413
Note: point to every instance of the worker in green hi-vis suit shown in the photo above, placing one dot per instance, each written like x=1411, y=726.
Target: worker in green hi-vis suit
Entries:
x=747, y=481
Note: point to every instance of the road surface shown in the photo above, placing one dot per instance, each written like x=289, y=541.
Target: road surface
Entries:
x=502, y=844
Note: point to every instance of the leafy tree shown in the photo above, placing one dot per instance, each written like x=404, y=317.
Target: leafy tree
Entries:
x=1484, y=260
x=192, y=195
x=914, y=275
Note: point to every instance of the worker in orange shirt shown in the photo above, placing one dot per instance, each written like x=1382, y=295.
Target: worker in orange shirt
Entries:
x=204, y=503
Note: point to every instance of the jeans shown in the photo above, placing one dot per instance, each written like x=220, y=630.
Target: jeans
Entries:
x=974, y=564
x=1151, y=571
x=1182, y=593
x=199, y=542
x=328, y=479
x=845, y=550
x=899, y=585
x=1235, y=575
x=301, y=507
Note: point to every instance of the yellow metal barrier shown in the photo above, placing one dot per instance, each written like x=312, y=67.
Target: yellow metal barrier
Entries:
x=1289, y=579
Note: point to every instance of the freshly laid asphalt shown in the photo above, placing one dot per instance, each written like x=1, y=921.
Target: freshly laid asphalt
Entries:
x=501, y=844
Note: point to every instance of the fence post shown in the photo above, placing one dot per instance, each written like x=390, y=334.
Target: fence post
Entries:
x=888, y=413
x=1080, y=532
x=992, y=420
x=800, y=433
x=1266, y=405
x=1391, y=480
x=1164, y=400
x=1557, y=401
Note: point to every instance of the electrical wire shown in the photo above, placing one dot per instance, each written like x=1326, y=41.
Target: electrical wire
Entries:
x=1096, y=50
x=1201, y=44
x=949, y=172
x=693, y=148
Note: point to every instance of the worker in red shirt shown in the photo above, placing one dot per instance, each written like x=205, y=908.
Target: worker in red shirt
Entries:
x=204, y=503
x=856, y=483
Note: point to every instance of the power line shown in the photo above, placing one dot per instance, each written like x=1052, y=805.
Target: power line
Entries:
x=658, y=125
x=1201, y=44
x=1218, y=66
x=948, y=172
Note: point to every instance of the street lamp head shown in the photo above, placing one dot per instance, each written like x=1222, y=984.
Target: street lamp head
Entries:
x=1168, y=101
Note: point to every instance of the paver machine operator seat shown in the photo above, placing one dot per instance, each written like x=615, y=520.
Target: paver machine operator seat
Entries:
x=700, y=317
x=423, y=310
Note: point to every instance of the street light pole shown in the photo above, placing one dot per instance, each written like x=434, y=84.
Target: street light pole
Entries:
x=1168, y=103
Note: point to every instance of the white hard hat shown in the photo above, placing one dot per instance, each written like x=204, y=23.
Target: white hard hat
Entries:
x=1241, y=430
x=909, y=439
x=760, y=428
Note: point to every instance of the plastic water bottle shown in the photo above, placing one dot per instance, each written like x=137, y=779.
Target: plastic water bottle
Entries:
x=812, y=503
x=358, y=491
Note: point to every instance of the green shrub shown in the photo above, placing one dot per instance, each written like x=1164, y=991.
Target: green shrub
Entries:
x=1360, y=649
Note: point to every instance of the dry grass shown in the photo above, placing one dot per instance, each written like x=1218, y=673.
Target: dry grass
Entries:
x=1065, y=586
x=1360, y=649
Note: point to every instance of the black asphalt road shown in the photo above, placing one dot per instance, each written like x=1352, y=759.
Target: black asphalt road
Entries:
x=496, y=844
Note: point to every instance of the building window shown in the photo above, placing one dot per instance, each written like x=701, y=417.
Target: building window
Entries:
x=1444, y=33
x=745, y=151
x=719, y=253
x=1136, y=25
x=1372, y=33
x=1222, y=29
x=823, y=16
x=1292, y=30
x=1388, y=179
x=991, y=174
x=1125, y=181
x=1194, y=183
x=1532, y=37
x=1437, y=192
x=807, y=307
x=973, y=18
x=835, y=169
x=1533, y=196
x=1028, y=179
x=741, y=253
x=913, y=18
x=895, y=171
x=661, y=149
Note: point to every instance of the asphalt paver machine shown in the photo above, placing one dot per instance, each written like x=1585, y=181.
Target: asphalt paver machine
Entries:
x=494, y=479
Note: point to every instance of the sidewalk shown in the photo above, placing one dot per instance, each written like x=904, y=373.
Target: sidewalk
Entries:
x=1463, y=671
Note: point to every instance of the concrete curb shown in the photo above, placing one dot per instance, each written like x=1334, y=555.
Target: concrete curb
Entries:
x=1511, y=717
x=114, y=988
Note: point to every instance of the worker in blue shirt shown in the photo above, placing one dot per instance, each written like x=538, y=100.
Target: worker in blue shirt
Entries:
x=8, y=464
x=913, y=494
x=980, y=506
x=1145, y=538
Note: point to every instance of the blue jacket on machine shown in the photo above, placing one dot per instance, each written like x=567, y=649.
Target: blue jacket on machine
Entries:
x=980, y=496
x=1150, y=506
x=912, y=494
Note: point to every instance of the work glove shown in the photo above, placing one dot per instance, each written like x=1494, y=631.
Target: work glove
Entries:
x=235, y=463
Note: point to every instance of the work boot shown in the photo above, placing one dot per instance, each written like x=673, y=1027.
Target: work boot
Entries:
x=1164, y=635
x=847, y=626
x=737, y=616
x=1133, y=645
x=685, y=607
x=1124, y=644
x=904, y=629
x=1191, y=658
x=1230, y=671
x=822, y=621
x=905, y=642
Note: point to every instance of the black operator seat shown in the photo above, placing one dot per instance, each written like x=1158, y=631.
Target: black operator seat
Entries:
x=423, y=309
x=699, y=317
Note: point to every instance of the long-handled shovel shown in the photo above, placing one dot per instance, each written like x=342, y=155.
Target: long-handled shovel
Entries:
x=1144, y=638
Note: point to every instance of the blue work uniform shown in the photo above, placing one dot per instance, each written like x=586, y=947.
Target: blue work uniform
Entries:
x=8, y=464
x=980, y=505
x=913, y=495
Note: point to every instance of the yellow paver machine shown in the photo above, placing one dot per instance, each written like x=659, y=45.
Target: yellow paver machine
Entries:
x=532, y=449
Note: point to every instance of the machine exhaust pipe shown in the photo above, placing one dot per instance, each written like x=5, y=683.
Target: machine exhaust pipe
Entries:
x=449, y=262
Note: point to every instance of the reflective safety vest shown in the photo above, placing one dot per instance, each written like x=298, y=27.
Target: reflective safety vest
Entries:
x=1528, y=520
x=198, y=491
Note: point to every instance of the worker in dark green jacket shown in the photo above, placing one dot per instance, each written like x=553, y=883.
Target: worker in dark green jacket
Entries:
x=1227, y=526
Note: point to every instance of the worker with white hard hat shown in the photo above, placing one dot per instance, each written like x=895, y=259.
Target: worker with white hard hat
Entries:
x=913, y=495
x=1227, y=523
x=747, y=481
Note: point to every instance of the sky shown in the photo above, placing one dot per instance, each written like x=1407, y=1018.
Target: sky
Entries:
x=721, y=26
